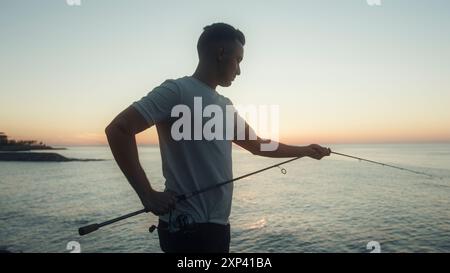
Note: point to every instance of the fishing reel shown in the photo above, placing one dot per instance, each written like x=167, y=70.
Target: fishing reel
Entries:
x=183, y=222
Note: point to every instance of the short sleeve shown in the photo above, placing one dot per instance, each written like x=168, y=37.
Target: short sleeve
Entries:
x=157, y=105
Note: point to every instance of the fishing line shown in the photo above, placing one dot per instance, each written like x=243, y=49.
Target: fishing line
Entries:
x=388, y=165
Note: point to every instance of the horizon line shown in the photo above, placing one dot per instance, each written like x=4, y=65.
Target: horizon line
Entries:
x=295, y=144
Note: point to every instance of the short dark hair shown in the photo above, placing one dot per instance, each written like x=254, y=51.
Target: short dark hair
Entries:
x=218, y=32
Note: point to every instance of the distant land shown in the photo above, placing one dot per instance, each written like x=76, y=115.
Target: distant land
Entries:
x=22, y=145
x=43, y=157
x=12, y=150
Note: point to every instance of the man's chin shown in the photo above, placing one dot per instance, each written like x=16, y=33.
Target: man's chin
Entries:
x=226, y=84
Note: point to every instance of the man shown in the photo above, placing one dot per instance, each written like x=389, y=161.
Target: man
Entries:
x=198, y=224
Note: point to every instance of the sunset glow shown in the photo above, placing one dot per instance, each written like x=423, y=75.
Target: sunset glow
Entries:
x=340, y=71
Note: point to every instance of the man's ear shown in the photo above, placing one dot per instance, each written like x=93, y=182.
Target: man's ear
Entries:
x=220, y=53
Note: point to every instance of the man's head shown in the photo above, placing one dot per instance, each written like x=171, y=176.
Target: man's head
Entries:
x=220, y=49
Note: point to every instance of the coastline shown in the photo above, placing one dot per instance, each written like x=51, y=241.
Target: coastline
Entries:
x=39, y=157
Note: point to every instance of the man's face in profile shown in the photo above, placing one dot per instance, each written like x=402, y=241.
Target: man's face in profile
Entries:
x=230, y=55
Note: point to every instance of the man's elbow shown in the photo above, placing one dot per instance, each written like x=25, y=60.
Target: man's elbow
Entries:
x=109, y=133
x=113, y=129
x=264, y=147
x=118, y=127
x=109, y=129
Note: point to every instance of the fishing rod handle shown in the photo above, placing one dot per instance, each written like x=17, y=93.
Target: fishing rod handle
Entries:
x=88, y=229
x=93, y=227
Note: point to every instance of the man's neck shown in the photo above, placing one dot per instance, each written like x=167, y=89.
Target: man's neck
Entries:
x=205, y=76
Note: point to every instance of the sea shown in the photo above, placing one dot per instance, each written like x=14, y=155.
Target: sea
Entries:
x=336, y=204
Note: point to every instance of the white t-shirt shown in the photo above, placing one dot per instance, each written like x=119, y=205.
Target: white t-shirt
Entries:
x=190, y=165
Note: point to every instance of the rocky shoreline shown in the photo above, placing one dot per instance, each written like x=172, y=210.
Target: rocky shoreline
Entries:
x=22, y=148
x=13, y=150
x=38, y=157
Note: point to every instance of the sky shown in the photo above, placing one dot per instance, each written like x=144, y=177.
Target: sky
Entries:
x=340, y=71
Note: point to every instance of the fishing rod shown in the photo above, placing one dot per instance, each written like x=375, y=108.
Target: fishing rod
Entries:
x=93, y=227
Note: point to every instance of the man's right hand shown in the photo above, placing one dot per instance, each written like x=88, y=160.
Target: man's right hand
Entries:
x=316, y=151
x=159, y=203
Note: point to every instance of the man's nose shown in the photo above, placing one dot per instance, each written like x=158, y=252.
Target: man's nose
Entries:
x=238, y=71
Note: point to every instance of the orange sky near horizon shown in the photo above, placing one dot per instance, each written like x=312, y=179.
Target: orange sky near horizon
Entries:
x=336, y=137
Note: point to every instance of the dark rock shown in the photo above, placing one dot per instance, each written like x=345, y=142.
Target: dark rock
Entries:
x=40, y=157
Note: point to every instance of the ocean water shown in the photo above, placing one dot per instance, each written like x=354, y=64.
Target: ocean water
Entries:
x=333, y=205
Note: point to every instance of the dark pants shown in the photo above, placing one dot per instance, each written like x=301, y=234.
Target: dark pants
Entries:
x=205, y=238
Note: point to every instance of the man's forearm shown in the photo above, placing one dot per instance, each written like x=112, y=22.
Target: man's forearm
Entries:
x=284, y=150
x=124, y=149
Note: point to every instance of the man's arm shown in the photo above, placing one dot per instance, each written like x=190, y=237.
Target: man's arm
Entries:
x=121, y=134
x=254, y=146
